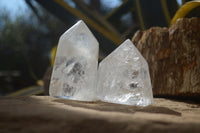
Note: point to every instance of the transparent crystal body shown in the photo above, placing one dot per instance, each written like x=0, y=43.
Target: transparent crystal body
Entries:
x=74, y=73
x=123, y=77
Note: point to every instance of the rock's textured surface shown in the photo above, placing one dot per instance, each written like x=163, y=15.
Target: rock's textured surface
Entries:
x=173, y=55
x=61, y=115
x=75, y=68
x=124, y=77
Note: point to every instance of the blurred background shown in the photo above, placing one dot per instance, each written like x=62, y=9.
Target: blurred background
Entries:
x=30, y=29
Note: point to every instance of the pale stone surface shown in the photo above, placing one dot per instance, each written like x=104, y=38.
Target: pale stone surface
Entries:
x=75, y=67
x=52, y=115
x=124, y=77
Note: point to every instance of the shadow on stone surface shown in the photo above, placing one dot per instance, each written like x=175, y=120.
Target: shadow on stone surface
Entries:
x=104, y=106
x=46, y=114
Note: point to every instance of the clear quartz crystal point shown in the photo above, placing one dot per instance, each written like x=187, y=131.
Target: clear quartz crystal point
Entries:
x=124, y=77
x=74, y=73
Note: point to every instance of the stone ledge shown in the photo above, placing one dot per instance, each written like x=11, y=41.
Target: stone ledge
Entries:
x=46, y=114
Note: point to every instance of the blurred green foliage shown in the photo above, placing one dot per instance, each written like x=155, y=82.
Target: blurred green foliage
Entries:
x=25, y=45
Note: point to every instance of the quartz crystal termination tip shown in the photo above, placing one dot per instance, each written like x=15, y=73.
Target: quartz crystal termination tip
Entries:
x=75, y=68
x=124, y=77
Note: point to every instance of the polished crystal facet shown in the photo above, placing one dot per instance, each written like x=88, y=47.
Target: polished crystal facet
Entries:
x=75, y=69
x=124, y=77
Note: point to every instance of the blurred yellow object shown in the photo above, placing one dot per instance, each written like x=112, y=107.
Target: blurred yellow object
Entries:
x=31, y=90
x=40, y=82
x=53, y=54
x=186, y=9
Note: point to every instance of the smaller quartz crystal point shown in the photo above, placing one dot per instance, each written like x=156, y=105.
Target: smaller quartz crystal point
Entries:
x=74, y=73
x=124, y=77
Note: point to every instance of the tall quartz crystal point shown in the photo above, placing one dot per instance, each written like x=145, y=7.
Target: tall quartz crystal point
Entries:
x=124, y=77
x=75, y=69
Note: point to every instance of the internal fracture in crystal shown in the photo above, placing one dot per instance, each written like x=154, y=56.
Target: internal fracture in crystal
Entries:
x=124, y=77
x=75, y=69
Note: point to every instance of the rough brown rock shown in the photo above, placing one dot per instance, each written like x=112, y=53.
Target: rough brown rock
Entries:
x=173, y=55
x=45, y=114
